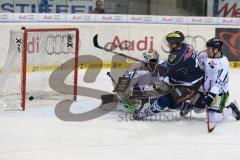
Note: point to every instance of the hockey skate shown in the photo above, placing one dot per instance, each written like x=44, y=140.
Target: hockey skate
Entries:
x=235, y=110
x=185, y=109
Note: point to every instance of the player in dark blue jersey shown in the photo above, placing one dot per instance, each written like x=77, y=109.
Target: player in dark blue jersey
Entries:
x=184, y=74
x=182, y=62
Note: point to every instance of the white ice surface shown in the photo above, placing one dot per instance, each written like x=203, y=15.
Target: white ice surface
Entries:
x=37, y=134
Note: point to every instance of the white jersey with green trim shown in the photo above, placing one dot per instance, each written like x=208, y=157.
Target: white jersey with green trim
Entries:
x=216, y=73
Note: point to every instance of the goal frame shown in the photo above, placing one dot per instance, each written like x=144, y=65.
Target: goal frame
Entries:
x=24, y=59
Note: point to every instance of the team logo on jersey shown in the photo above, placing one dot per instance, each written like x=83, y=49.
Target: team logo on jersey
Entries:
x=171, y=57
x=212, y=64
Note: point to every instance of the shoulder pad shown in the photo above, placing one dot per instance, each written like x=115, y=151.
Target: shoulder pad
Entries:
x=212, y=64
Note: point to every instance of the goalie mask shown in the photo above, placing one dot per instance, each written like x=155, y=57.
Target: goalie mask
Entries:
x=151, y=57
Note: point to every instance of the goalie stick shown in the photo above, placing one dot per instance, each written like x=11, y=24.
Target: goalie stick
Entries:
x=111, y=77
x=109, y=98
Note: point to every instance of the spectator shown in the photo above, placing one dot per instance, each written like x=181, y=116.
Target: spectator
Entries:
x=99, y=7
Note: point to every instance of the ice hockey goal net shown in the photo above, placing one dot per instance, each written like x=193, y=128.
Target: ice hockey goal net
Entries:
x=33, y=55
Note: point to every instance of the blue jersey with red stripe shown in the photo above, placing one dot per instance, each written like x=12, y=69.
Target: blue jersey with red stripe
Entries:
x=183, y=66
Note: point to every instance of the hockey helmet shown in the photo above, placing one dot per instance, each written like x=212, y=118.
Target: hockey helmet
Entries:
x=175, y=37
x=215, y=43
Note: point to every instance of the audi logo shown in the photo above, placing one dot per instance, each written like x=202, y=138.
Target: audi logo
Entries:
x=59, y=44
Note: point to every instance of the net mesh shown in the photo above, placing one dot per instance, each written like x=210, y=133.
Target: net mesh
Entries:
x=46, y=50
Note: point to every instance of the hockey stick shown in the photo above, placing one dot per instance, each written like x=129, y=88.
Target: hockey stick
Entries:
x=95, y=42
x=210, y=129
x=163, y=70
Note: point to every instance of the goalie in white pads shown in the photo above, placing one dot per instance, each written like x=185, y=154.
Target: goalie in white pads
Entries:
x=145, y=76
x=216, y=84
x=142, y=81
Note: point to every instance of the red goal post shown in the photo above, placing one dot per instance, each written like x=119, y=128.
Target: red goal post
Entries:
x=31, y=60
x=24, y=62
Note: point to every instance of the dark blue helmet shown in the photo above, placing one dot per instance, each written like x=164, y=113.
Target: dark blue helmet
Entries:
x=175, y=37
x=215, y=43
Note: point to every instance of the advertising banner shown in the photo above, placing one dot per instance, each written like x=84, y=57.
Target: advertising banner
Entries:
x=80, y=17
x=47, y=6
x=128, y=39
x=231, y=40
x=223, y=8
x=117, y=18
x=133, y=39
x=172, y=19
x=142, y=19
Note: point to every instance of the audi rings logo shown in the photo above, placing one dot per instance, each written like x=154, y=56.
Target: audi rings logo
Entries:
x=147, y=19
x=59, y=44
x=198, y=42
x=117, y=18
x=52, y=44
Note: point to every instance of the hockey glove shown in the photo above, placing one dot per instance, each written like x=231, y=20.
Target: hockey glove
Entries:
x=209, y=99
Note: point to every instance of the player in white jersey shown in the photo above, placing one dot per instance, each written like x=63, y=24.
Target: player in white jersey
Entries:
x=216, y=84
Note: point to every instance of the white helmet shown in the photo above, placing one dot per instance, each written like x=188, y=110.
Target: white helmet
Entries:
x=150, y=56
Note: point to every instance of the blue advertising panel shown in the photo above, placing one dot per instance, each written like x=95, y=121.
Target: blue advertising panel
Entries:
x=47, y=6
